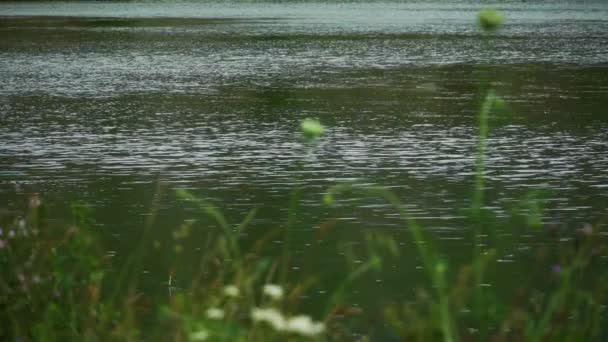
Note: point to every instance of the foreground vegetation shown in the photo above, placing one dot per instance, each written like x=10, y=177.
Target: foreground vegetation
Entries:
x=57, y=283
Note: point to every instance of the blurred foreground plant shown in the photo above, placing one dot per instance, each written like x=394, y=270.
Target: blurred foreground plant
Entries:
x=51, y=278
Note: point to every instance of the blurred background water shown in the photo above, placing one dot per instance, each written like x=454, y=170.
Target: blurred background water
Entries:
x=102, y=102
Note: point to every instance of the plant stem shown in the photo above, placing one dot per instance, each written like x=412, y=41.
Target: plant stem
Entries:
x=477, y=204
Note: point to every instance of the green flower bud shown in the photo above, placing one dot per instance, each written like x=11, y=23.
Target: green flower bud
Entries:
x=328, y=199
x=499, y=103
x=490, y=19
x=311, y=128
x=440, y=267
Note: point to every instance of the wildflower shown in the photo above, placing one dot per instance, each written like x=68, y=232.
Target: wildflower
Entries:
x=271, y=316
x=556, y=269
x=490, y=19
x=440, y=267
x=328, y=199
x=200, y=335
x=35, y=201
x=2, y=244
x=231, y=291
x=273, y=291
x=311, y=128
x=304, y=325
x=215, y=313
x=587, y=230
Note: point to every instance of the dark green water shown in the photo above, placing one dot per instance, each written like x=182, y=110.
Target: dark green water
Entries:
x=106, y=103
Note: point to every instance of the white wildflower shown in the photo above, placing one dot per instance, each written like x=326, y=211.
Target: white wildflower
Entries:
x=271, y=316
x=200, y=335
x=215, y=313
x=35, y=202
x=231, y=291
x=273, y=291
x=304, y=325
x=587, y=230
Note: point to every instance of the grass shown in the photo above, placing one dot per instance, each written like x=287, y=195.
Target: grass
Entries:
x=56, y=284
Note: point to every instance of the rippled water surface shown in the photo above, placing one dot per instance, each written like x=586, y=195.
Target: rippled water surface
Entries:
x=102, y=102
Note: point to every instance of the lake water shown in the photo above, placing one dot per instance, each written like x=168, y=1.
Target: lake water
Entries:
x=106, y=103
